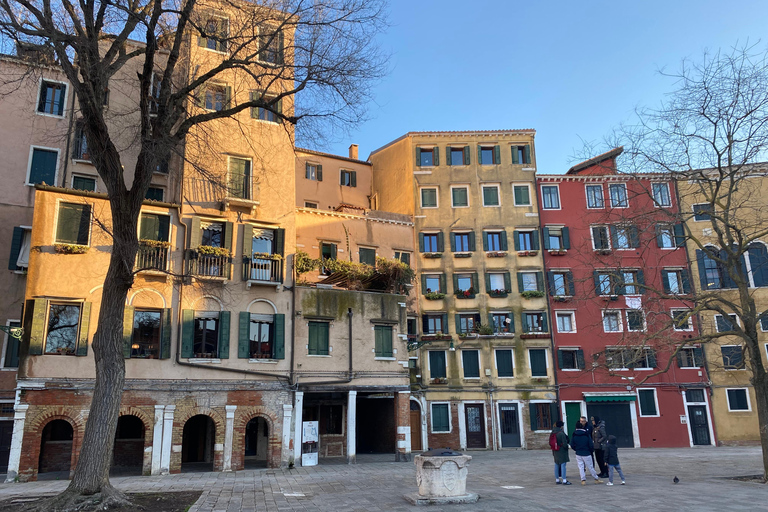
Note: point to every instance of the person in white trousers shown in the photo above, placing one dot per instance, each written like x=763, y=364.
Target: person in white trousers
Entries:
x=582, y=444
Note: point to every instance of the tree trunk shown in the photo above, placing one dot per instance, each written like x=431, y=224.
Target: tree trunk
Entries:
x=760, y=384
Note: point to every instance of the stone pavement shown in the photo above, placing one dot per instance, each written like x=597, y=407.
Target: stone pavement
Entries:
x=375, y=484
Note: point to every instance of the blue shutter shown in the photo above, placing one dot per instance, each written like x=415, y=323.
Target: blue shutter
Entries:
x=571, y=286
x=16, y=240
x=545, y=236
x=702, y=270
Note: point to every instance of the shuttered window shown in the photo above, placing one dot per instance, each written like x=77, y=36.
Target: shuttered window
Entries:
x=42, y=168
x=437, y=364
x=440, y=418
x=538, y=357
x=504, y=367
x=470, y=360
x=647, y=398
x=318, y=339
x=74, y=224
x=383, y=340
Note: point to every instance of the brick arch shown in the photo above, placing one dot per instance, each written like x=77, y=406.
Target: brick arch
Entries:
x=32, y=441
x=149, y=434
x=180, y=419
x=243, y=415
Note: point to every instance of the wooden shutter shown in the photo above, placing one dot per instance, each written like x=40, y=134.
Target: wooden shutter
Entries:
x=452, y=237
x=544, y=325
x=488, y=283
x=440, y=242
x=566, y=238
x=418, y=157
x=702, y=270
x=85, y=323
x=228, y=97
x=516, y=236
x=515, y=158
x=127, y=331
x=166, y=328
x=354, y=178
x=507, y=282
x=540, y=281
x=614, y=236
x=485, y=240
x=534, y=417
x=571, y=286
x=475, y=283
x=527, y=154
x=545, y=238
x=423, y=284
x=466, y=155
x=243, y=335
x=443, y=286
x=497, y=155
x=448, y=160
x=279, y=326
x=188, y=333
x=560, y=359
x=640, y=282
x=634, y=237
x=685, y=277
x=520, y=286
x=319, y=173
x=247, y=241
x=16, y=241
x=580, y=359
x=551, y=282
x=435, y=156
x=479, y=155
x=279, y=242
x=504, y=366
x=679, y=235
x=503, y=240
x=228, y=230
x=195, y=233
x=225, y=319
x=446, y=330
x=421, y=242
x=665, y=281
x=253, y=96
x=471, y=237
x=511, y=322
x=598, y=289
x=36, y=310
x=313, y=334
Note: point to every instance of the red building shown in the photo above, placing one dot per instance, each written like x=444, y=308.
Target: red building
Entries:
x=618, y=276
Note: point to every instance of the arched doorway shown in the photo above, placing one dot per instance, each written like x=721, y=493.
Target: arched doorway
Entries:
x=256, y=444
x=197, y=444
x=128, y=454
x=56, y=450
x=415, y=426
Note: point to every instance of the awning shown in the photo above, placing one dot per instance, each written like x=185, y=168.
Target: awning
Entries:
x=610, y=398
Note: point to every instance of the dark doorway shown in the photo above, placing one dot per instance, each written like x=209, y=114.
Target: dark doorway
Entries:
x=6, y=433
x=415, y=426
x=197, y=444
x=510, y=426
x=128, y=455
x=256, y=444
x=375, y=423
x=697, y=415
x=56, y=449
x=618, y=421
x=475, y=421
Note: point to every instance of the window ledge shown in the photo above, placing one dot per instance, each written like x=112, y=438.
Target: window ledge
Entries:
x=242, y=203
x=266, y=361
x=570, y=369
x=528, y=168
x=385, y=359
x=317, y=355
x=252, y=282
x=9, y=369
x=82, y=161
x=20, y=272
x=202, y=360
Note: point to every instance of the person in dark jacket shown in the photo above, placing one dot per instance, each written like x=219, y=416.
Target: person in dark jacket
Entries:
x=600, y=438
x=561, y=454
x=611, y=456
x=582, y=444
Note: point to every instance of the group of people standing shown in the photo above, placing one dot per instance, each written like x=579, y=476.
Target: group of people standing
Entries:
x=587, y=439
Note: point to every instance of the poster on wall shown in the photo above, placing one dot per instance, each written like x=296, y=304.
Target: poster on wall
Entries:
x=309, y=440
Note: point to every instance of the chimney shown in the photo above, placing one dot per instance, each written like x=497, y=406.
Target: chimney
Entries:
x=353, y=151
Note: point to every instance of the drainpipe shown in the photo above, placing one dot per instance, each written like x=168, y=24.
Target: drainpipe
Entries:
x=293, y=319
x=493, y=420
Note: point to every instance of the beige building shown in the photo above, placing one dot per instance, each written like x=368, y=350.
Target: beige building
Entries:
x=484, y=377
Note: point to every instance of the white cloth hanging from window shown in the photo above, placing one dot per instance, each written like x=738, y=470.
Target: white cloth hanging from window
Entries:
x=23, y=260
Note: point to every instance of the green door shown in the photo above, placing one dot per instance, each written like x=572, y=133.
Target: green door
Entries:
x=572, y=415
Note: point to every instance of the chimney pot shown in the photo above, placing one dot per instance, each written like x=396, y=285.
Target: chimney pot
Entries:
x=353, y=151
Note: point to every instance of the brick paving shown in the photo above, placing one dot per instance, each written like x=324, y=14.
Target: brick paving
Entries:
x=375, y=484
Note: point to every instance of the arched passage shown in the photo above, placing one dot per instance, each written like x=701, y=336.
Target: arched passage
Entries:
x=197, y=444
x=256, y=443
x=128, y=455
x=56, y=449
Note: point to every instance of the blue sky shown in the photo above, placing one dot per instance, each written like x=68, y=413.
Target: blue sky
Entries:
x=570, y=70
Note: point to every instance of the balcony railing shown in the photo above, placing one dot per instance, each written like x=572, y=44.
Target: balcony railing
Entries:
x=152, y=258
x=208, y=265
x=266, y=270
x=240, y=186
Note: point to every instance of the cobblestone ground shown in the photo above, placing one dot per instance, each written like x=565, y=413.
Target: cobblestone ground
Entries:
x=375, y=484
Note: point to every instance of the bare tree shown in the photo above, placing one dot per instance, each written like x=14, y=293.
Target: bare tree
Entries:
x=325, y=50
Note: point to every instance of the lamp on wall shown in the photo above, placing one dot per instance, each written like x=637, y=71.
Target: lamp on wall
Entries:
x=451, y=347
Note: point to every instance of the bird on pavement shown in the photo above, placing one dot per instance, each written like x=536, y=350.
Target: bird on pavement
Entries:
x=675, y=480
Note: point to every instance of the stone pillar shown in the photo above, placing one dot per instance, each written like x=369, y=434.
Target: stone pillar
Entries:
x=157, y=440
x=403, y=424
x=228, y=437
x=285, y=450
x=352, y=427
x=165, y=458
x=299, y=408
x=19, y=417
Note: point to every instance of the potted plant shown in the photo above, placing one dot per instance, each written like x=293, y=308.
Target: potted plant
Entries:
x=498, y=293
x=154, y=244
x=561, y=298
x=70, y=248
x=466, y=294
x=532, y=294
x=433, y=255
x=462, y=255
x=557, y=252
x=430, y=295
x=485, y=330
x=496, y=254
x=208, y=250
x=603, y=252
x=438, y=380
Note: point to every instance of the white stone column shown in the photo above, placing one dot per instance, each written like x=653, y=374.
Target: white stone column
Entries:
x=352, y=427
x=228, y=437
x=157, y=440
x=299, y=408
x=165, y=458
x=19, y=417
x=285, y=451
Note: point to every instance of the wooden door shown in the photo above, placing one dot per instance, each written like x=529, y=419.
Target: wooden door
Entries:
x=474, y=415
x=415, y=427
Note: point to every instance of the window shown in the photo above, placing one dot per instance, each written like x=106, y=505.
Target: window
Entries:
x=526, y=241
x=434, y=324
x=738, y=399
x=318, y=339
x=271, y=45
x=347, y=178
x=441, y=421
x=631, y=282
x=494, y=241
x=623, y=358
x=534, y=322
x=726, y=324
x=538, y=361
x=427, y=157
x=491, y=195
x=383, y=341
x=261, y=336
x=155, y=194
x=542, y=416
x=712, y=278
x=611, y=321
x=529, y=281
x=212, y=234
x=463, y=242
x=84, y=183
x=566, y=321
x=80, y=144
x=498, y=283
x=313, y=172
x=62, y=332
x=429, y=198
x=624, y=237
x=412, y=326
x=675, y=281
x=606, y=283
x=561, y=283
x=52, y=98
x=464, y=283
x=522, y=195
x=682, y=320
x=467, y=323
x=145, y=343
x=433, y=283
x=21, y=243
x=470, y=361
x=635, y=320
x=502, y=322
x=570, y=359
x=459, y=197
x=661, y=194
x=702, y=212
x=600, y=238
x=367, y=256
x=431, y=242
x=42, y=166
x=647, y=401
x=690, y=357
x=11, y=347
x=521, y=154
x=308, y=204
x=404, y=257
x=550, y=197
x=437, y=364
x=504, y=366
x=206, y=334
x=270, y=110
x=154, y=227
x=595, y=196
x=758, y=263
x=556, y=238
x=74, y=224
x=239, y=178
x=733, y=357
x=216, y=97
x=216, y=32
x=618, y=194
x=458, y=156
x=488, y=155
x=695, y=396
x=327, y=252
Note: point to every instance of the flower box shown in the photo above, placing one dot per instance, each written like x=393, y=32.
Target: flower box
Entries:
x=496, y=254
x=610, y=298
x=561, y=299
x=266, y=256
x=205, y=355
x=465, y=294
x=433, y=255
x=465, y=335
x=70, y=248
x=527, y=253
x=436, y=337
x=434, y=296
x=462, y=255
x=208, y=250
x=534, y=335
x=558, y=252
x=532, y=294
x=438, y=380
x=603, y=252
x=498, y=293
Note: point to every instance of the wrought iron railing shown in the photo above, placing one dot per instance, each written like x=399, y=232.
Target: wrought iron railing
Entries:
x=209, y=265
x=240, y=186
x=152, y=258
x=259, y=269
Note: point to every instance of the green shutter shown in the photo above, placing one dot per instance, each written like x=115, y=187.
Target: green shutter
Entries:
x=515, y=159
x=551, y=282
x=445, y=324
x=421, y=242
x=479, y=155
x=686, y=281
x=279, y=326
x=487, y=282
x=571, y=286
x=455, y=283
x=448, y=161
x=634, y=237
x=127, y=331
x=540, y=281
x=580, y=359
x=511, y=322
x=466, y=155
x=443, y=286
x=37, y=309
x=253, y=96
x=507, y=282
x=535, y=240
x=520, y=286
x=165, y=333
x=225, y=319
x=423, y=284
x=497, y=155
x=188, y=333
x=534, y=418
x=566, y=239
x=247, y=241
x=319, y=173
x=228, y=97
x=418, y=157
x=471, y=241
x=527, y=154
x=516, y=236
x=503, y=240
x=195, y=233
x=333, y=251
x=544, y=324
x=453, y=241
x=485, y=240
x=598, y=289
x=614, y=236
x=524, y=322
x=560, y=359
x=679, y=235
x=475, y=283
x=545, y=237
x=16, y=240
x=354, y=178
x=435, y=156
x=312, y=338
x=85, y=322
x=504, y=366
x=640, y=281
x=243, y=335
x=518, y=195
x=228, y=230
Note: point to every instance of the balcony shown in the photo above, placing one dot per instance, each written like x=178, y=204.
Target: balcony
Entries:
x=240, y=191
x=263, y=271
x=210, y=266
x=152, y=256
